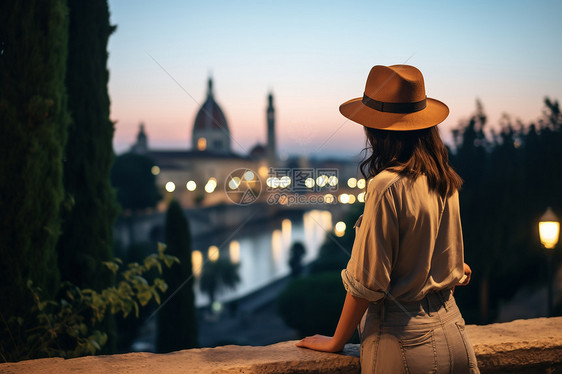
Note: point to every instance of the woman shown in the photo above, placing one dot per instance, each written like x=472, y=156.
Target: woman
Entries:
x=408, y=251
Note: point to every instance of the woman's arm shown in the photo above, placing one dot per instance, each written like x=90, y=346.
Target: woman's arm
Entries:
x=352, y=312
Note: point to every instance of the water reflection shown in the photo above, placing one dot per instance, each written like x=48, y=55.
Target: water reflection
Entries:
x=234, y=250
x=264, y=255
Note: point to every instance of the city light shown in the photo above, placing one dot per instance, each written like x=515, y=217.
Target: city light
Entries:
x=351, y=198
x=170, y=186
x=262, y=171
x=273, y=182
x=249, y=175
x=339, y=229
x=328, y=198
x=361, y=183
x=234, y=250
x=343, y=198
x=333, y=180
x=211, y=185
x=352, y=182
x=155, y=170
x=191, y=186
x=549, y=233
x=549, y=229
x=213, y=253
x=321, y=181
x=284, y=181
x=234, y=183
x=309, y=182
x=361, y=197
x=196, y=262
x=201, y=144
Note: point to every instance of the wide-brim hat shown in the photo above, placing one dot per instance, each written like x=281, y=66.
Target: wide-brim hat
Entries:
x=395, y=99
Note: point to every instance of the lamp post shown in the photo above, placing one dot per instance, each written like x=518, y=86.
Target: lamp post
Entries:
x=549, y=232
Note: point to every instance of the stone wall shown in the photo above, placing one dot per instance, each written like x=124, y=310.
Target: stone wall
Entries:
x=522, y=346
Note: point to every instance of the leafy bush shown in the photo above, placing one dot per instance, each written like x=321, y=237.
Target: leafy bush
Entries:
x=62, y=328
x=312, y=304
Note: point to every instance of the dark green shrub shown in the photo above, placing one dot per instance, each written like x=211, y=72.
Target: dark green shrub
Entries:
x=312, y=304
x=177, y=322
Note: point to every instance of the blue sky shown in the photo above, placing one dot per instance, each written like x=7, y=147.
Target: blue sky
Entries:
x=314, y=55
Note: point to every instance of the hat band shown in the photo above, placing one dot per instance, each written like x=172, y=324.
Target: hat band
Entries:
x=383, y=106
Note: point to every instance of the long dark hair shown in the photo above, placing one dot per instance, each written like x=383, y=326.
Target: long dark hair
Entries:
x=411, y=153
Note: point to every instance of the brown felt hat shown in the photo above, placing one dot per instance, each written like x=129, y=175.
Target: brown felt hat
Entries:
x=395, y=99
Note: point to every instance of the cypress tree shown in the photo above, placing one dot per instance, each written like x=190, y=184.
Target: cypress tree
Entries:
x=33, y=126
x=90, y=208
x=177, y=323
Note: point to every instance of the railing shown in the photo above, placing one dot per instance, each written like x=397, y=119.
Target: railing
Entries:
x=529, y=346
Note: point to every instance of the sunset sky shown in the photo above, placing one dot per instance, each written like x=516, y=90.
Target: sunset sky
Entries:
x=314, y=55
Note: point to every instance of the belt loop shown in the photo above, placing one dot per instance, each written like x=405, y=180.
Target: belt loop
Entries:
x=443, y=300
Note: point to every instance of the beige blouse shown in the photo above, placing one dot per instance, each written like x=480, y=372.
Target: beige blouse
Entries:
x=408, y=242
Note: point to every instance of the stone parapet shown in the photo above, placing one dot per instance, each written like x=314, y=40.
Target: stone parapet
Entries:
x=525, y=346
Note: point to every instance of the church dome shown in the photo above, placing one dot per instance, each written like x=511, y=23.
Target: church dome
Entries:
x=210, y=115
x=210, y=129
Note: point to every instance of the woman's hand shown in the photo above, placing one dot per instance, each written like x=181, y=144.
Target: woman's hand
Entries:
x=468, y=273
x=319, y=343
x=353, y=309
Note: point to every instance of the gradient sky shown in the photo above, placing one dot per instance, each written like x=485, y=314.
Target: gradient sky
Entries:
x=314, y=55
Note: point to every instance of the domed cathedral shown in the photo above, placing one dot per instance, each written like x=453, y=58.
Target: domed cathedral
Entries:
x=210, y=129
x=197, y=176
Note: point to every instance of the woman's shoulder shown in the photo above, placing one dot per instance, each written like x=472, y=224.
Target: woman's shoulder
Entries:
x=380, y=184
x=383, y=181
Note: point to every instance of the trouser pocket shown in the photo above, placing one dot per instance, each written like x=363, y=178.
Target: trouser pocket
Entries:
x=419, y=354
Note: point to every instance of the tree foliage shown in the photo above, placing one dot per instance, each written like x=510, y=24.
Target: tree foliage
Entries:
x=177, y=321
x=218, y=275
x=68, y=327
x=136, y=185
x=511, y=176
x=296, y=255
x=34, y=121
x=90, y=208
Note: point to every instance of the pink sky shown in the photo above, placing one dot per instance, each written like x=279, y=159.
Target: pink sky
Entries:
x=315, y=56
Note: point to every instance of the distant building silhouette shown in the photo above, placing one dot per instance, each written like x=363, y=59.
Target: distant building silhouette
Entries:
x=211, y=158
x=141, y=146
x=210, y=129
x=271, y=142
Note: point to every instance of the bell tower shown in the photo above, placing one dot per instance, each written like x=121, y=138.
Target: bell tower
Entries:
x=271, y=144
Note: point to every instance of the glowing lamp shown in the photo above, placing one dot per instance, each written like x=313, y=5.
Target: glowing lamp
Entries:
x=549, y=229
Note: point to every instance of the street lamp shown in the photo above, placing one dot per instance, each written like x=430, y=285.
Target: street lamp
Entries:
x=549, y=232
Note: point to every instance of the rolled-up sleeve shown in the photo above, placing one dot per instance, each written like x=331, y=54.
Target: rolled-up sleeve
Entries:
x=377, y=238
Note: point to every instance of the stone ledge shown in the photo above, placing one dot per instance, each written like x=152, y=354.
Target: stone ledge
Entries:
x=529, y=346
